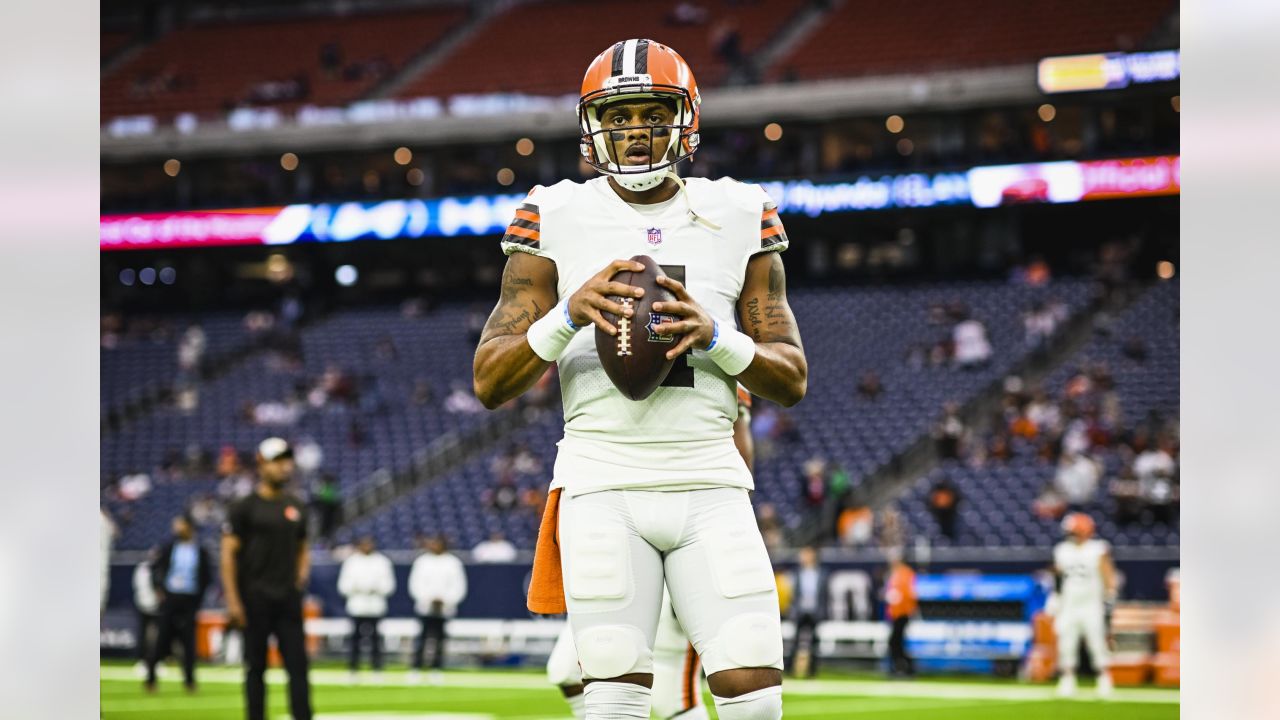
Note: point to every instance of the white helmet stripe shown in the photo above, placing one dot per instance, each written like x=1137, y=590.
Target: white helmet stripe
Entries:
x=629, y=58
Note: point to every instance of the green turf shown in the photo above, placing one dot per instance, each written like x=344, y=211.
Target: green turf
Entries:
x=523, y=696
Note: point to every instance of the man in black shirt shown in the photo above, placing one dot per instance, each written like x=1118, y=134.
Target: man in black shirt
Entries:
x=265, y=564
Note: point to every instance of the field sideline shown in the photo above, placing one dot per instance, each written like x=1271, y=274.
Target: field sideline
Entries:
x=503, y=695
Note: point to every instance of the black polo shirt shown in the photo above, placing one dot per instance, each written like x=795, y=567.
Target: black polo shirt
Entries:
x=271, y=532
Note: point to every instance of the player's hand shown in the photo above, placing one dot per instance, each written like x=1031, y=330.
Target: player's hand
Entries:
x=586, y=305
x=695, y=324
x=235, y=614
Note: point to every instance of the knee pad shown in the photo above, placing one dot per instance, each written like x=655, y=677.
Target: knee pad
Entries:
x=608, y=651
x=562, y=665
x=762, y=704
x=747, y=640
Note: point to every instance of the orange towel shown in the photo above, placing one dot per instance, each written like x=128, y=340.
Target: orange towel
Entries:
x=546, y=587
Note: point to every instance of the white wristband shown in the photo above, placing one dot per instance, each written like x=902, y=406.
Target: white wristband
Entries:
x=550, y=334
x=730, y=349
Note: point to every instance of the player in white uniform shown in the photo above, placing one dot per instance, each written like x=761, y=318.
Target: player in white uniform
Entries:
x=677, y=669
x=653, y=490
x=1087, y=579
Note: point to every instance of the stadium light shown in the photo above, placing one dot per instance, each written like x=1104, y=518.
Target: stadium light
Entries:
x=1176, y=102
x=773, y=132
x=1165, y=270
x=289, y=161
x=168, y=275
x=524, y=146
x=414, y=177
x=172, y=167
x=147, y=276
x=506, y=176
x=127, y=277
x=894, y=124
x=346, y=275
x=1047, y=112
x=403, y=156
x=906, y=147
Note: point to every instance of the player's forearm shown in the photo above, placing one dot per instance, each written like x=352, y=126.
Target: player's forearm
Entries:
x=778, y=372
x=504, y=368
x=304, y=565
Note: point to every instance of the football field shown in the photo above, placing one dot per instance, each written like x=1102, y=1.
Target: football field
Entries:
x=503, y=695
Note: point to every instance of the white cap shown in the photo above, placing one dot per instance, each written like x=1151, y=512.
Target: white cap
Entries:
x=274, y=448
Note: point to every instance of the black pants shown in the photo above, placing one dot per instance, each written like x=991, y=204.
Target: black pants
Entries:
x=806, y=637
x=432, y=627
x=366, y=627
x=177, y=622
x=281, y=617
x=148, y=627
x=899, y=662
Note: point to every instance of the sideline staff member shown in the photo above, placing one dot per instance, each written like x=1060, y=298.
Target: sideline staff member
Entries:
x=265, y=563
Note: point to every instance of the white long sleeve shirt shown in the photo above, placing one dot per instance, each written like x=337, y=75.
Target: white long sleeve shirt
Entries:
x=366, y=581
x=144, y=595
x=437, y=578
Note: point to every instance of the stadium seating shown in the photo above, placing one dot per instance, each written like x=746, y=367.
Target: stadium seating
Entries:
x=997, y=498
x=517, y=52
x=207, y=69
x=138, y=366
x=845, y=331
x=863, y=37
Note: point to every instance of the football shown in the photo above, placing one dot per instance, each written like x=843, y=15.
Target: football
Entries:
x=636, y=358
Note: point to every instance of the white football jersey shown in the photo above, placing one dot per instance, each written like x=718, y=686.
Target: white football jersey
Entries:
x=1081, y=568
x=681, y=436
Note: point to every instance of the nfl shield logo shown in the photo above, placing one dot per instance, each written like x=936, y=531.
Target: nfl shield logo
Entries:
x=655, y=236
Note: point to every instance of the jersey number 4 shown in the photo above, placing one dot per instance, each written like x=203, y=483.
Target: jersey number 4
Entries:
x=681, y=374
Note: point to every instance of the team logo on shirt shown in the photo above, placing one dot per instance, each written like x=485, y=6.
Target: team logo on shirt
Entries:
x=655, y=236
x=291, y=513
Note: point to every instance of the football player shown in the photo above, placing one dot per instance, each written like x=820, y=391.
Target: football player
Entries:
x=653, y=493
x=1086, y=576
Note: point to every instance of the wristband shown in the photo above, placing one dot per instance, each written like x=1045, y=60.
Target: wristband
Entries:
x=550, y=334
x=730, y=349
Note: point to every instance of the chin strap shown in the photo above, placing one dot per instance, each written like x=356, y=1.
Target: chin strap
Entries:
x=693, y=216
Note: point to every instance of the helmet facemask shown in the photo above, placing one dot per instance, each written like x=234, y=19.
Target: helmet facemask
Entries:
x=597, y=143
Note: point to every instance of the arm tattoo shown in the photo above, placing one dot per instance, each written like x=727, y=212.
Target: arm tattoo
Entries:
x=753, y=316
x=512, y=316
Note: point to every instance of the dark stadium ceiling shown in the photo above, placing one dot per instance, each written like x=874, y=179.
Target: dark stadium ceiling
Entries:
x=799, y=101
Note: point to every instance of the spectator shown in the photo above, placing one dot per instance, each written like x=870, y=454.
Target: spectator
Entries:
x=366, y=580
x=422, y=392
x=495, y=549
x=331, y=58
x=950, y=432
x=1039, y=325
x=892, y=530
x=462, y=400
x=1049, y=504
x=1126, y=492
x=808, y=608
x=944, y=502
x=972, y=350
x=148, y=606
x=180, y=576
x=869, y=386
x=437, y=583
x=191, y=350
x=771, y=527
x=901, y=603
x=327, y=503
x=814, y=483
x=1077, y=479
x=1156, y=470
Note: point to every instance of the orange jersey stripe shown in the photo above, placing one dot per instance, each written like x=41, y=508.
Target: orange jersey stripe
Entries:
x=523, y=232
x=526, y=215
x=770, y=232
x=769, y=214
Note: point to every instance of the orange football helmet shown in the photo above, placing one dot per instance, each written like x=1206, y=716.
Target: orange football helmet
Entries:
x=635, y=69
